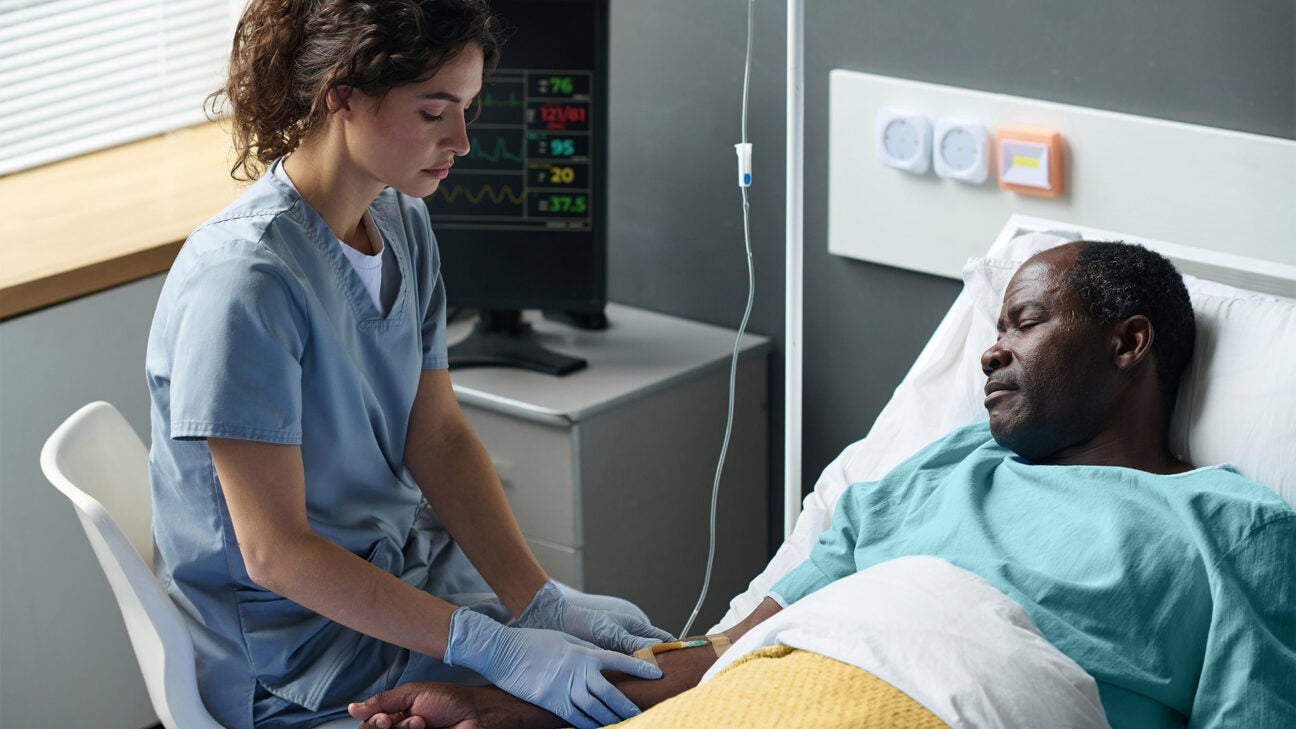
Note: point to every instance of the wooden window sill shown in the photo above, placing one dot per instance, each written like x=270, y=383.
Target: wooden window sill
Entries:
x=100, y=220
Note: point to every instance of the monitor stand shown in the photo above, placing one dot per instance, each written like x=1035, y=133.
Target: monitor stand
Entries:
x=501, y=339
x=593, y=320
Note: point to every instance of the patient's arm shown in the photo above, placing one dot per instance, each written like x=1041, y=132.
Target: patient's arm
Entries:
x=764, y=611
x=424, y=705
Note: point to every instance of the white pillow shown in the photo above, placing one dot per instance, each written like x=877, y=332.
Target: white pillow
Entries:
x=1237, y=403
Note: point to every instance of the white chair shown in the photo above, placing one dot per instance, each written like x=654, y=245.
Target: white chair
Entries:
x=100, y=464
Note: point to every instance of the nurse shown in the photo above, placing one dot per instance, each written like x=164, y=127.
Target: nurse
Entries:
x=325, y=517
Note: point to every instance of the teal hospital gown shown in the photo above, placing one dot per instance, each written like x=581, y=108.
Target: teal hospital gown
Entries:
x=1176, y=593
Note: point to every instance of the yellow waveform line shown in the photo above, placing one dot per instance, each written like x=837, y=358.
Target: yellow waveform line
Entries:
x=496, y=196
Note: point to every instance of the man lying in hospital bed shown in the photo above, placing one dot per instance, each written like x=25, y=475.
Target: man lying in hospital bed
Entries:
x=1042, y=569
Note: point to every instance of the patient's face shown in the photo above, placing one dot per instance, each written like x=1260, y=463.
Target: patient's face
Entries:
x=1050, y=384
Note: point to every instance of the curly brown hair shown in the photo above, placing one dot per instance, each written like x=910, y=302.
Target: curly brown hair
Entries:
x=289, y=55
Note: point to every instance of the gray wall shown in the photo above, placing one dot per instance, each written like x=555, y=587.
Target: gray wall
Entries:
x=676, y=236
x=65, y=659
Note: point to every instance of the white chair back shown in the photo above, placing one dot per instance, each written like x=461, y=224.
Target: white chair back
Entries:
x=100, y=464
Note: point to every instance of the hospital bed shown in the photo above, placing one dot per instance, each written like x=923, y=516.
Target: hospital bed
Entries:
x=1237, y=405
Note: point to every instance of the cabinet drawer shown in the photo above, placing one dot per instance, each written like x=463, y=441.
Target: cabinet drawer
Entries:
x=562, y=563
x=534, y=462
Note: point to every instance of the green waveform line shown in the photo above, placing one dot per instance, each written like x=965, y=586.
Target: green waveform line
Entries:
x=501, y=150
x=486, y=191
x=488, y=99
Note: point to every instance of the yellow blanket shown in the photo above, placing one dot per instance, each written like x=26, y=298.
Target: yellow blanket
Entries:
x=781, y=687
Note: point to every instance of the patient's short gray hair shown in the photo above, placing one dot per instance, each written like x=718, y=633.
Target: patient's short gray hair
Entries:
x=1117, y=280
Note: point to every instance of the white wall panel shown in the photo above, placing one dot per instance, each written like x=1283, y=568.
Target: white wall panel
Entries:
x=1221, y=190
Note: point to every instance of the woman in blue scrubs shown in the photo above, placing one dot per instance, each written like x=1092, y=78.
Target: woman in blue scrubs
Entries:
x=325, y=517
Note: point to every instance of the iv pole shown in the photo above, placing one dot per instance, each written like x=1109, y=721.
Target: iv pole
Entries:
x=793, y=309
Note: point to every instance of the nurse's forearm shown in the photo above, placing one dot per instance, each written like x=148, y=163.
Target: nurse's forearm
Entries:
x=469, y=500
x=322, y=576
x=265, y=490
x=459, y=481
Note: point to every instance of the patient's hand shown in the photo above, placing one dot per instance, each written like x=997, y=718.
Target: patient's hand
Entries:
x=419, y=705
x=424, y=705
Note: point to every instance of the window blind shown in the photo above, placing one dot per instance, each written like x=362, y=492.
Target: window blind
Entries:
x=82, y=75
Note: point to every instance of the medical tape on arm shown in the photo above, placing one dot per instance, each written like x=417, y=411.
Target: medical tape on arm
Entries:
x=719, y=643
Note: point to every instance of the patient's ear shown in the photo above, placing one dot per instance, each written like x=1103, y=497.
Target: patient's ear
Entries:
x=1133, y=340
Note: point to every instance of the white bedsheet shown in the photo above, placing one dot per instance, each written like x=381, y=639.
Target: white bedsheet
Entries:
x=945, y=637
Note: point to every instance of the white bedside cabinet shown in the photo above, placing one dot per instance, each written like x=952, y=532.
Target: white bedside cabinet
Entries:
x=609, y=469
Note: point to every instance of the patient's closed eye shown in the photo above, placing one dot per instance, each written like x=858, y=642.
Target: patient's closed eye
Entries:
x=1018, y=325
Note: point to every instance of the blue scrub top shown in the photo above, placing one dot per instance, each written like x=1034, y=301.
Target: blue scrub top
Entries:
x=265, y=332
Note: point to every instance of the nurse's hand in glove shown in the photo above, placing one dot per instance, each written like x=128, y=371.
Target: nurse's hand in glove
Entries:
x=552, y=670
x=605, y=629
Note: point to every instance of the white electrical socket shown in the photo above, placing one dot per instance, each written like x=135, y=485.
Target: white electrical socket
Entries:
x=904, y=140
x=961, y=150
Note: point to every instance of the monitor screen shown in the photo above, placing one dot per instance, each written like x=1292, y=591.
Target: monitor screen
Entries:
x=521, y=221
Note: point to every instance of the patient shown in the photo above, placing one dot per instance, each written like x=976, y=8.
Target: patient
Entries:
x=1171, y=585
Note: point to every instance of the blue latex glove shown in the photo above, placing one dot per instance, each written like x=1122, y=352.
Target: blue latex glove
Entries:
x=614, y=631
x=555, y=671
